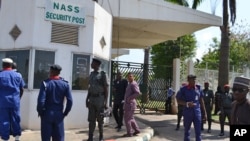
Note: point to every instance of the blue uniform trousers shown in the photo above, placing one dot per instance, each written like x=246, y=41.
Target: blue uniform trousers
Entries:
x=191, y=117
x=9, y=122
x=52, y=126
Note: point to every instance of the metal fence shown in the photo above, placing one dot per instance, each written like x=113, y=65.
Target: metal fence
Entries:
x=211, y=76
x=153, y=91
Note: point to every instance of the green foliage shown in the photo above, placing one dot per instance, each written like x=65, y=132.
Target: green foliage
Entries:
x=239, y=50
x=185, y=3
x=162, y=54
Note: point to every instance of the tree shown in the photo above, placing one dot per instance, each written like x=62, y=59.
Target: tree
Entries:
x=164, y=53
x=224, y=47
x=185, y=3
x=239, y=50
x=210, y=59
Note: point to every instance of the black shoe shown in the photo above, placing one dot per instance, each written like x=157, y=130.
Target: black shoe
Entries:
x=202, y=129
x=136, y=132
x=119, y=129
x=221, y=134
x=127, y=135
x=209, y=130
x=177, y=128
x=101, y=138
x=89, y=139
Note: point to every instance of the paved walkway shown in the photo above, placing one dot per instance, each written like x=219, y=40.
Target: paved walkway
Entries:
x=164, y=128
x=151, y=123
x=110, y=134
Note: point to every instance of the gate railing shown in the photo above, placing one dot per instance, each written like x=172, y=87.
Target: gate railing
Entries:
x=153, y=90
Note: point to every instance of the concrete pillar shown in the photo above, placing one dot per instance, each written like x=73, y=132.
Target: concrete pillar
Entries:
x=190, y=66
x=247, y=72
x=176, y=83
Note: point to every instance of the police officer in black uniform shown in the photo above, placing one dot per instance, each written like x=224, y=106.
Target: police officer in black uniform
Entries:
x=226, y=100
x=119, y=89
x=96, y=100
x=208, y=100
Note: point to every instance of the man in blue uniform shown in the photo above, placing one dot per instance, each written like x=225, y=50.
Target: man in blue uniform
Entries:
x=168, y=104
x=96, y=100
x=119, y=88
x=50, y=105
x=11, y=90
x=180, y=110
x=191, y=96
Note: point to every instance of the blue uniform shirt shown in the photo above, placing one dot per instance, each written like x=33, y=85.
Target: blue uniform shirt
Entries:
x=170, y=92
x=51, y=96
x=189, y=94
x=10, y=84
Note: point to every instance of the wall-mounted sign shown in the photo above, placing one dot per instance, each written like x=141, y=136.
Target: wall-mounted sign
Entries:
x=63, y=12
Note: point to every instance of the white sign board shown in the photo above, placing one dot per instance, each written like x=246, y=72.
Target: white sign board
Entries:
x=62, y=12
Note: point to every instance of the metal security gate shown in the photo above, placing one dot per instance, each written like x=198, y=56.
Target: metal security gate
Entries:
x=153, y=90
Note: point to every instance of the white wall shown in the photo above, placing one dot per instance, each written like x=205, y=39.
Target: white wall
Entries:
x=28, y=15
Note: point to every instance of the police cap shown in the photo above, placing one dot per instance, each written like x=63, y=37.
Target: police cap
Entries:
x=7, y=60
x=97, y=61
x=56, y=67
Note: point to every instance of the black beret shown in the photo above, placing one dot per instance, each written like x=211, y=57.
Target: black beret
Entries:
x=191, y=76
x=97, y=61
x=56, y=67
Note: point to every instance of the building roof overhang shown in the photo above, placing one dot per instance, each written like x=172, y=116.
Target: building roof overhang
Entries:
x=143, y=23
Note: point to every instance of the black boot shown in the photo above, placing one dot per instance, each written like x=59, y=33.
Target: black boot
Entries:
x=177, y=127
x=101, y=137
x=90, y=137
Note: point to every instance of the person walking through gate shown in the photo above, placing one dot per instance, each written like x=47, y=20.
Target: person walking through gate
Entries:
x=50, y=105
x=11, y=91
x=217, y=100
x=96, y=100
x=241, y=106
x=119, y=88
x=226, y=100
x=168, y=104
x=180, y=110
x=132, y=91
x=209, y=101
x=191, y=96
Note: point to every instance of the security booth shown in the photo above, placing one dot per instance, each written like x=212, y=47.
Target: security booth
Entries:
x=45, y=32
x=39, y=33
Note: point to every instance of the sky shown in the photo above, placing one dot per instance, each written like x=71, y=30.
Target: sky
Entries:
x=204, y=37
